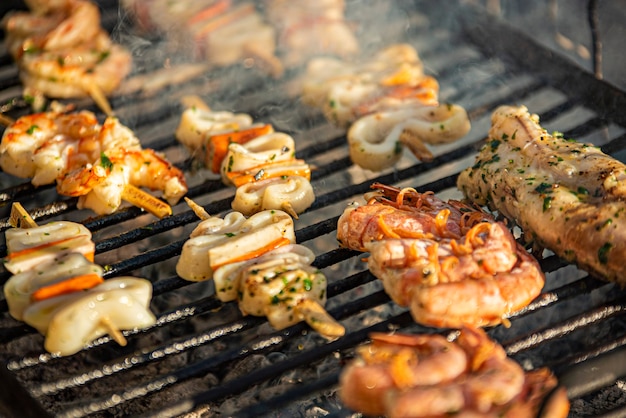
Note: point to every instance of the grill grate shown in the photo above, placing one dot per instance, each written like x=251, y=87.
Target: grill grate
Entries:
x=203, y=357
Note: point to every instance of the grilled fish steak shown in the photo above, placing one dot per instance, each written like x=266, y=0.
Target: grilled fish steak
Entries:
x=567, y=196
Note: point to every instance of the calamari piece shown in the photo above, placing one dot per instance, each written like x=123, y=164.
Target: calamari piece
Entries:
x=271, y=170
x=70, y=322
x=32, y=247
x=267, y=149
x=566, y=196
x=281, y=285
x=197, y=123
x=292, y=194
x=404, y=375
x=376, y=141
x=217, y=242
x=19, y=289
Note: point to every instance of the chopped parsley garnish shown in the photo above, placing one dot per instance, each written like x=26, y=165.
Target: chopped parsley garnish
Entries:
x=105, y=161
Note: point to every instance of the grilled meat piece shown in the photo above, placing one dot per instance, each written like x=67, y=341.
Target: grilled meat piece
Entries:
x=566, y=196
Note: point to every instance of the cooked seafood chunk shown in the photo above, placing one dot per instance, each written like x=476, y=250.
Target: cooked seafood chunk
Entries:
x=71, y=321
x=281, y=285
x=404, y=375
x=216, y=242
x=101, y=164
x=63, y=52
x=451, y=263
x=292, y=194
x=386, y=103
x=28, y=248
x=566, y=196
x=19, y=289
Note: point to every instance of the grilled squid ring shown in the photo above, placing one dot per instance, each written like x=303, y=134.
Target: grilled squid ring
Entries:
x=197, y=123
x=233, y=240
x=71, y=321
x=376, y=141
x=266, y=149
x=293, y=194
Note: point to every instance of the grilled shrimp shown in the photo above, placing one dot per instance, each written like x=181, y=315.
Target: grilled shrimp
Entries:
x=394, y=213
x=427, y=251
x=398, y=362
x=484, y=277
x=470, y=377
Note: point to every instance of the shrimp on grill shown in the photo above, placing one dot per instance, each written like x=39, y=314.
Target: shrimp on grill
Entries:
x=451, y=263
x=63, y=52
x=404, y=375
x=394, y=213
x=103, y=164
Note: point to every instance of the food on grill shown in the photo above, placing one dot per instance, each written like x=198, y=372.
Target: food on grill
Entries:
x=451, y=263
x=259, y=162
x=62, y=51
x=256, y=262
x=566, y=196
x=57, y=289
x=101, y=164
x=387, y=102
x=72, y=321
x=376, y=140
x=219, y=241
x=221, y=32
x=426, y=375
x=292, y=194
x=28, y=248
x=281, y=285
x=307, y=29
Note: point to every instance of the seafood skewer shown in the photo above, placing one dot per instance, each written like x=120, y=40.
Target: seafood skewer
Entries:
x=101, y=164
x=404, y=375
x=63, y=52
x=566, y=196
x=59, y=290
x=259, y=162
x=386, y=102
x=451, y=263
x=256, y=262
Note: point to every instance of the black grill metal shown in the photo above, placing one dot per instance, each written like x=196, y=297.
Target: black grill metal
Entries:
x=203, y=358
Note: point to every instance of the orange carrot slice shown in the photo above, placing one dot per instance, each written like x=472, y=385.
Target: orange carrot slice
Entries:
x=30, y=250
x=257, y=252
x=210, y=12
x=74, y=284
x=217, y=145
x=270, y=170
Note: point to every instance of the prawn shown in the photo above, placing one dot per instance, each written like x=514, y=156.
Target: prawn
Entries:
x=404, y=213
x=472, y=377
x=398, y=362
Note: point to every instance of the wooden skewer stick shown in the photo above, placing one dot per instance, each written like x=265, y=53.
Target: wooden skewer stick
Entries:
x=194, y=101
x=113, y=331
x=6, y=120
x=146, y=201
x=197, y=209
x=287, y=207
x=20, y=218
x=316, y=316
x=99, y=98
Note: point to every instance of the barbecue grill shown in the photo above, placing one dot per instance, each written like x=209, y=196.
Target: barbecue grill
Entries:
x=203, y=358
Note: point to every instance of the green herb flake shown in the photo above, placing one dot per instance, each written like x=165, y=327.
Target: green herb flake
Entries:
x=105, y=161
x=31, y=130
x=603, y=252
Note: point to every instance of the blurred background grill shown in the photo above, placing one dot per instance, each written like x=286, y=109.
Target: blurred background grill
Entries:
x=204, y=359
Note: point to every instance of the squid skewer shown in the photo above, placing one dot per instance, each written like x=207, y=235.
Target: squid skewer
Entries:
x=65, y=280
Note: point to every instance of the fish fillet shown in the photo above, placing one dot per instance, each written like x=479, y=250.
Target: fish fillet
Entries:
x=567, y=196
